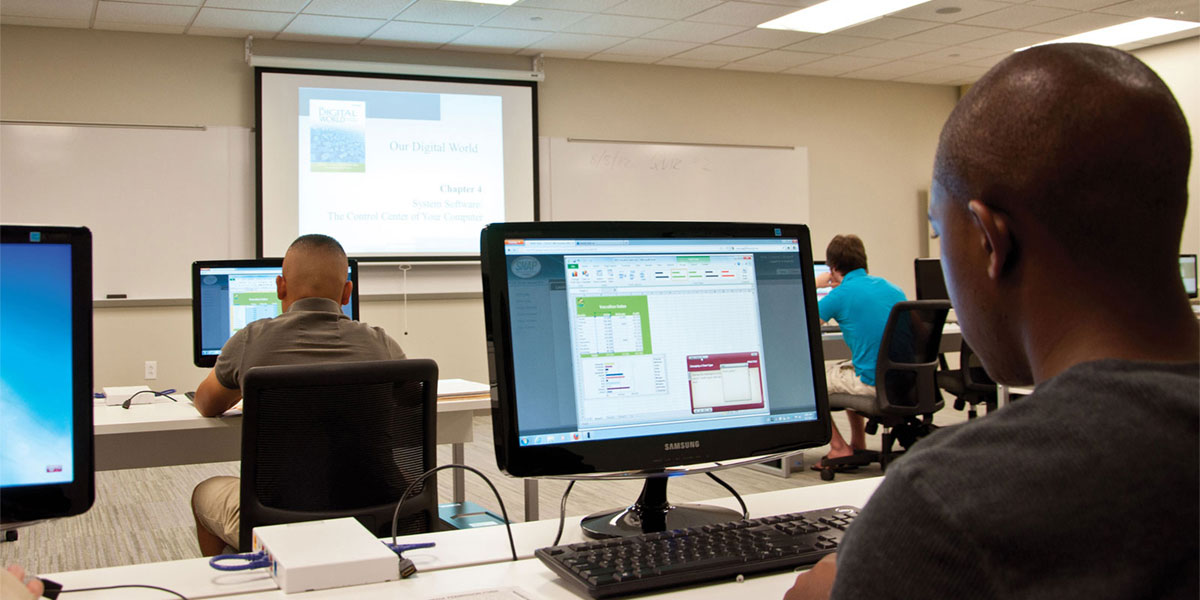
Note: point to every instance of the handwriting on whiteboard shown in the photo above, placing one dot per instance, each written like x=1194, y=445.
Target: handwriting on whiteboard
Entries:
x=617, y=159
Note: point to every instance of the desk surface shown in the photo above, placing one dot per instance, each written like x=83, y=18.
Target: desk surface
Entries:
x=463, y=560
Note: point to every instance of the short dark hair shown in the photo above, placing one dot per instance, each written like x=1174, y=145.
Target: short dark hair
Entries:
x=846, y=253
x=318, y=241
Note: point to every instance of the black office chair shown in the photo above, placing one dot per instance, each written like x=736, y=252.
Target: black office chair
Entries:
x=332, y=440
x=969, y=384
x=906, y=391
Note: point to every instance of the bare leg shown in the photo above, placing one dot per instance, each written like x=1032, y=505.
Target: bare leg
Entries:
x=858, y=430
x=210, y=544
x=837, y=444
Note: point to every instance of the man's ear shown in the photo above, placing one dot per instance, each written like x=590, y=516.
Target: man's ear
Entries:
x=346, y=289
x=995, y=236
x=280, y=287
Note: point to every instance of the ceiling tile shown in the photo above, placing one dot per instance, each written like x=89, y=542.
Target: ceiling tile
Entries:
x=221, y=21
x=1073, y=4
x=765, y=38
x=624, y=58
x=988, y=61
x=722, y=54
x=737, y=66
x=1172, y=9
x=1011, y=40
x=366, y=9
x=617, y=25
x=954, y=55
x=420, y=35
x=1019, y=17
x=892, y=70
x=954, y=75
x=145, y=14
x=138, y=27
x=651, y=48
x=308, y=27
x=894, y=50
x=966, y=10
x=578, y=5
x=538, y=19
x=832, y=43
x=784, y=59
x=888, y=28
x=63, y=9
x=835, y=65
x=742, y=13
x=192, y=3
x=687, y=31
x=449, y=13
x=1079, y=23
x=264, y=5
x=952, y=34
x=695, y=64
x=490, y=37
x=575, y=45
x=663, y=9
x=45, y=22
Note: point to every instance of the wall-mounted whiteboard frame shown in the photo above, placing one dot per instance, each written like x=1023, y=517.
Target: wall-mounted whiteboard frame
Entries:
x=652, y=181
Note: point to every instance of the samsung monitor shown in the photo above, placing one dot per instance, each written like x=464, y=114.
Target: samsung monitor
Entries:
x=820, y=268
x=46, y=439
x=931, y=283
x=636, y=348
x=1187, y=270
x=228, y=294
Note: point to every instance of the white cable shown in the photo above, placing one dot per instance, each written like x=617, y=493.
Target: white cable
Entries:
x=404, y=286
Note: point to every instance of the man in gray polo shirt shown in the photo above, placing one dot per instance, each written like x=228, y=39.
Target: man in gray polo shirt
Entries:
x=312, y=329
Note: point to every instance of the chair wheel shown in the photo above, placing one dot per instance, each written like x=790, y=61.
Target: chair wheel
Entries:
x=826, y=474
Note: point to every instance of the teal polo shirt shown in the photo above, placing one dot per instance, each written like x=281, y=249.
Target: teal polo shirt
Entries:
x=861, y=305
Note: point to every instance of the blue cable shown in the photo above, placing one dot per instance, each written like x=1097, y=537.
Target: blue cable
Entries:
x=399, y=548
x=254, y=560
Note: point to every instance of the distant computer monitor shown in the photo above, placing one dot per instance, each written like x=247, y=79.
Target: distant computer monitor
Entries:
x=931, y=283
x=637, y=347
x=1187, y=270
x=46, y=439
x=228, y=294
x=819, y=268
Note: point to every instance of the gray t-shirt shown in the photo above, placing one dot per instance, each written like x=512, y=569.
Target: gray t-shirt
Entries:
x=313, y=330
x=1089, y=488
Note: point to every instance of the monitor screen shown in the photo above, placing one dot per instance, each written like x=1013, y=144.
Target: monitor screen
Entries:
x=1187, y=270
x=820, y=268
x=228, y=294
x=641, y=346
x=46, y=465
x=931, y=284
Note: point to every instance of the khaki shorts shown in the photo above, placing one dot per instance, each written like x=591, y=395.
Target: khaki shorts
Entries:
x=841, y=379
x=217, y=504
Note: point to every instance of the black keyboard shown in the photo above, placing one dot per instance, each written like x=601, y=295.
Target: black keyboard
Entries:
x=652, y=561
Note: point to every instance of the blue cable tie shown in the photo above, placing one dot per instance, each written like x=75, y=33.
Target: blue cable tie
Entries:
x=253, y=560
x=165, y=392
x=400, y=548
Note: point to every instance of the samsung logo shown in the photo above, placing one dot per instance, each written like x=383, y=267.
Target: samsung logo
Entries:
x=681, y=445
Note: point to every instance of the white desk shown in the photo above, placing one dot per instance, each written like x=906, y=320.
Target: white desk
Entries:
x=462, y=561
x=835, y=347
x=169, y=433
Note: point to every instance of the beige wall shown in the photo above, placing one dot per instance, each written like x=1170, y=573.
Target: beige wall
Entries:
x=870, y=149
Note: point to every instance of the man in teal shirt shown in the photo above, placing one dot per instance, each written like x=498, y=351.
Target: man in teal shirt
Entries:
x=860, y=303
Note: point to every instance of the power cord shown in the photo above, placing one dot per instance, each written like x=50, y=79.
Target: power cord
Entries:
x=396, y=516
x=562, y=512
x=745, y=513
x=166, y=393
x=117, y=587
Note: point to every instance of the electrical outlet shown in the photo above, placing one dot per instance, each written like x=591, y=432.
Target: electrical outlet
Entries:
x=152, y=369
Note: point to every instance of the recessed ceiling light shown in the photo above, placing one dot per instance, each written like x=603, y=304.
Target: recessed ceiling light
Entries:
x=832, y=15
x=948, y=10
x=501, y=2
x=1125, y=33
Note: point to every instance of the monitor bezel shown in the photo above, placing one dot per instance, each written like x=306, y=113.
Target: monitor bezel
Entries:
x=1196, y=292
x=26, y=503
x=646, y=454
x=209, y=360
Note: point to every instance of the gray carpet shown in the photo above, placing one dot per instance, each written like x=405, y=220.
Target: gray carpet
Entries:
x=143, y=515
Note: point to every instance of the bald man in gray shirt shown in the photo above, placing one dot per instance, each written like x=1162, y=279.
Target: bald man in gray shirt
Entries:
x=312, y=329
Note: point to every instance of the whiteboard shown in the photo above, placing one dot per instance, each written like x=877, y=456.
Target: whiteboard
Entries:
x=155, y=198
x=621, y=181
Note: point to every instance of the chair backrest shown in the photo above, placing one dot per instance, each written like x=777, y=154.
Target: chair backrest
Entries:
x=332, y=440
x=906, y=371
x=974, y=377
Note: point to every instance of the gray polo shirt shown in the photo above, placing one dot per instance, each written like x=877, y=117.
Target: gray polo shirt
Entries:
x=313, y=330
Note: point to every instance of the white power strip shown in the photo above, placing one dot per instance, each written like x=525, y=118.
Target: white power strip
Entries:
x=318, y=555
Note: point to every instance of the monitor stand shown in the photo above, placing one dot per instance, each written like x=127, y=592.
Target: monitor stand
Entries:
x=653, y=513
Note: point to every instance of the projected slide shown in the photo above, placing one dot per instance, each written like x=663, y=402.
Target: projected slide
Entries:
x=399, y=172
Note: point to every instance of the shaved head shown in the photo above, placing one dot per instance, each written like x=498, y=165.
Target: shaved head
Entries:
x=315, y=266
x=1085, y=139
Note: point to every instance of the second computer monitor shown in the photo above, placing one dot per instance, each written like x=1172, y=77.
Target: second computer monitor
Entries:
x=1187, y=270
x=931, y=283
x=228, y=294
